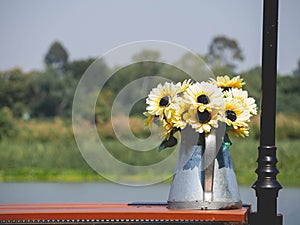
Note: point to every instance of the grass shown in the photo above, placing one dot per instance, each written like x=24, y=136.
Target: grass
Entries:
x=47, y=161
x=45, y=150
x=37, y=174
x=43, y=161
x=244, y=154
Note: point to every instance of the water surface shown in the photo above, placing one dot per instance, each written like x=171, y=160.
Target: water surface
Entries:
x=288, y=201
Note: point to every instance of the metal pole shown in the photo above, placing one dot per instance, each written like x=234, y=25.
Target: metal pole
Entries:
x=267, y=186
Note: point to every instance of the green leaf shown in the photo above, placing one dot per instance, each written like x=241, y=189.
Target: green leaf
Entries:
x=172, y=141
x=226, y=142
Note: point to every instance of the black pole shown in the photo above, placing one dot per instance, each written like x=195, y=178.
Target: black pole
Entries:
x=267, y=186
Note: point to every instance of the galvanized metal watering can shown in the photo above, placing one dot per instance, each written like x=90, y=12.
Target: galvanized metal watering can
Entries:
x=204, y=177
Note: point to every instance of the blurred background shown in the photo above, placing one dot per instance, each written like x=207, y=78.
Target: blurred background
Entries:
x=46, y=46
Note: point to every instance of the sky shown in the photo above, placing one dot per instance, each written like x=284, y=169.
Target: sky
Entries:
x=90, y=28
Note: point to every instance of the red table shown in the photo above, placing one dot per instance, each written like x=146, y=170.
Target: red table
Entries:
x=113, y=212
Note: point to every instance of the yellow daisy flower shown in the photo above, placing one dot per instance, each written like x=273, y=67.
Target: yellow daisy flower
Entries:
x=160, y=100
x=235, y=115
x=176, y=120
x=174, y=117
x=226, y=83
x=165, y=130
x=248, y=102
x=203, y=96
x=240, y=131
x=168, y=129
x=181, y=109
x=185, y=84
x=203, y=121
x=149, y=119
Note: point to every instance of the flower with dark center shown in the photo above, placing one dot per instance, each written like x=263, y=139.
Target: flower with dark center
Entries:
x=248, y=103
x=231, y=115
x=203, y=117
x=164, y=101
x=203, y=99
x=161, y=98
x=227, y=82
x=203, y=96
x=203, y=121
x=225, y=89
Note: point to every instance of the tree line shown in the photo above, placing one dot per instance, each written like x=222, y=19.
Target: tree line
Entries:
x=49, y=93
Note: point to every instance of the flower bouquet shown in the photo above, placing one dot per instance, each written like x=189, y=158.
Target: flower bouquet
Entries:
x=205, y=114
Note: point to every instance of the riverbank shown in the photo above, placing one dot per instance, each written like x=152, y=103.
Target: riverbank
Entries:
x=59, y=162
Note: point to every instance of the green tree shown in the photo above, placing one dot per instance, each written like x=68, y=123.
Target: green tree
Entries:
x=51, y=96
x=7, y=123
x=126, y=74
x=103, y=106
x=78, y=67
x=296, y=72
x=146, y=54
x=288, y=94
x=224, y=53
x=189, y=66
x=252, y=77
x=14, y=91
x=57, y=56
x=150, y=65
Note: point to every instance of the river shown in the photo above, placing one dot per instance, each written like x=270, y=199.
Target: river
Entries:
x=288, y=201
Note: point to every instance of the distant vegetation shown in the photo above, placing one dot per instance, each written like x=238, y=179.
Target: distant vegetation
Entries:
x=36, y=137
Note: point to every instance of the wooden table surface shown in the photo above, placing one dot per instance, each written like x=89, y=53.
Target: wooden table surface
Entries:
x=115, y=211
